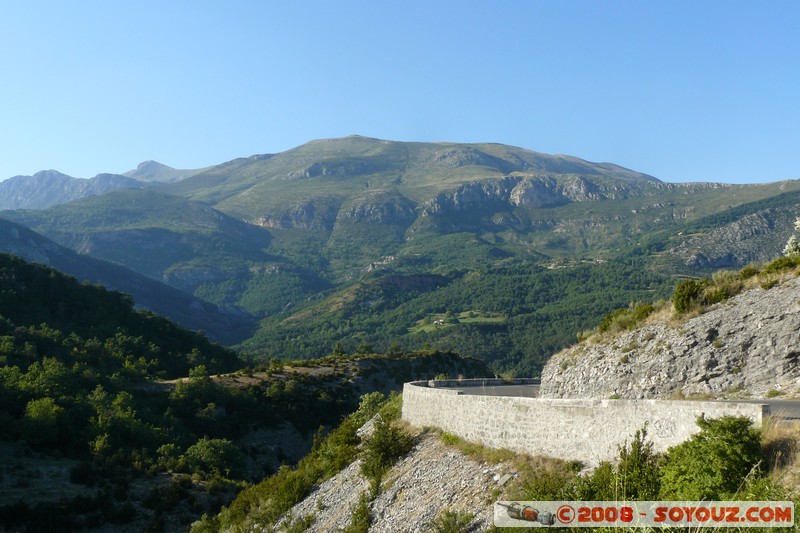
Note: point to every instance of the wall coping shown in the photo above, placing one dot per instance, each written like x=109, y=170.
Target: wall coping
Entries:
x=474, y=382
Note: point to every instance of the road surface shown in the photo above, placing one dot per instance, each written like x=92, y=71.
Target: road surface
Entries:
x=786, y=409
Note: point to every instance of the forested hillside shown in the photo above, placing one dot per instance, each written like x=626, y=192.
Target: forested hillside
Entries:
x=96, y=430
x=496, y=251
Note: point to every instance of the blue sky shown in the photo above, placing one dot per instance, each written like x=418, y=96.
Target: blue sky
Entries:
x=685, y=91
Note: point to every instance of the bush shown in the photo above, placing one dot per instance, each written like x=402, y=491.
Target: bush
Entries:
x=637, y=472
x=382, y=449
x=748, y=272
x=543, y=479
x=625, y=319
x=360, y=516
x=687, y=294
x=452, y=522
x=83, y=473
x=216, y=456
x=43, y=422
x=781, y=264
x=636, y=477
x=712, y=464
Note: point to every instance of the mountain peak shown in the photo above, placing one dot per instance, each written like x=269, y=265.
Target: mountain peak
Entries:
x=150, y=165
x=49, y=175
x=154, y=171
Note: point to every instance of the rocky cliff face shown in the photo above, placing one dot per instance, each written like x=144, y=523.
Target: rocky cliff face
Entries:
x=749, y=345
x=746, y=240
x=48, y=188
x=486, y=196
x=432, y=479
x=530, y=192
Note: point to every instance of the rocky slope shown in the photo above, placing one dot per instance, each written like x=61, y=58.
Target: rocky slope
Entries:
x=48, y=188
x=430, y=480
x=748, y=346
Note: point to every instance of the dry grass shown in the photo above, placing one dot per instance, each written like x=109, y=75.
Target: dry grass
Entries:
x=780, y=439
x=727, y=281
x=478, y=452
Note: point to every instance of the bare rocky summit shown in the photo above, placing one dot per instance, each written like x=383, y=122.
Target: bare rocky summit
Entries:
x=747, y=346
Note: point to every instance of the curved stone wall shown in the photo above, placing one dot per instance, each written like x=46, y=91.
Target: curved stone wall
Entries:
x=586, y=430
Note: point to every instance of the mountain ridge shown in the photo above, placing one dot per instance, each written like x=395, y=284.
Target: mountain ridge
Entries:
x=320, y=242
x=50, y=187
x=219, y=324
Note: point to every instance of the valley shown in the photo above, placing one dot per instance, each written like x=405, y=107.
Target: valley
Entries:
x=356, y=240
x=334, y=273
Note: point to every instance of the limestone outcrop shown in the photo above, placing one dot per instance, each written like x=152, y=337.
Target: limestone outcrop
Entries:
x=747, y=346
x=430, y=480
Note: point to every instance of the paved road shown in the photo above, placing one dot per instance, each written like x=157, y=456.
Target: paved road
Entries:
x=788, y=409
x=528, y=391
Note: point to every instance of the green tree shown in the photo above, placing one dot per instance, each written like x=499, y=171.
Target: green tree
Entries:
x=216, y=456
x=382, y=449
x=338, y=350
x=687, y=294
x=43, y=421
x=637, y=471
x=714, y=462
x=635, y=477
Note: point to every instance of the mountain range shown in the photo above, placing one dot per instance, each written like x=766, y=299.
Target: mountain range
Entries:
x=50, y=187
x=492, y=250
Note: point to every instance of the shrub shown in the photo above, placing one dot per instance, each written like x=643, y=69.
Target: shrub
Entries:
x=748, y=272
x=636, y=477
x=637, y=471
x=382, y=449
x=83, y=473
x=43, y=421
x=542, y=478
x=452, y=522
x=216, y=456
x=768, y=284
x=266, y=501
x=712, y=464
x=625, y=319
x=781, y=264
x=687, y=294
x=360, y=516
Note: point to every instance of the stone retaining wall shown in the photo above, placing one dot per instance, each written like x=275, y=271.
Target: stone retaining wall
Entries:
x=586, y=430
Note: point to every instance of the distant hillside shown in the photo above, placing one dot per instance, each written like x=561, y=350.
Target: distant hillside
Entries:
x=366, y=241
x=118, y=419
x=219, y=324
x=331, y=172
x=48, y=188
x=153, y=171
x=35, y=295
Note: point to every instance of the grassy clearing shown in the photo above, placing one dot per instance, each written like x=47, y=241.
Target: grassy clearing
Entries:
x=438, y=321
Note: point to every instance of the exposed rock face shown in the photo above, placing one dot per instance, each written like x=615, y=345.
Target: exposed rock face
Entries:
x=432, y=479
x=750, y=344
x=339, y=168
x=48, y=188
x=305, y=215
x=381, y=208
x=740, y=242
